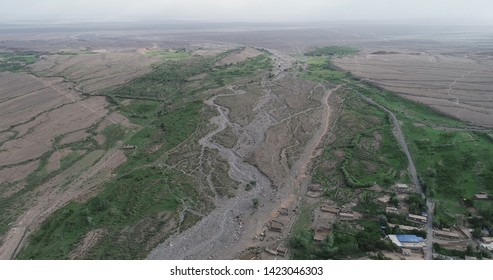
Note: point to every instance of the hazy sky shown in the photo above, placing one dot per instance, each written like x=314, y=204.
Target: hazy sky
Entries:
x=461, y=11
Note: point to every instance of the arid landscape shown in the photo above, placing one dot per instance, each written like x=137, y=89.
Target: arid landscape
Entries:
x=245, y=142
x=457, y=84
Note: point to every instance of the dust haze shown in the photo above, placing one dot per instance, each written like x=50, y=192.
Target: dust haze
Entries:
x=417, y=11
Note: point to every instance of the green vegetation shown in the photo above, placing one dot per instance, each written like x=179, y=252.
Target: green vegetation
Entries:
x=255, y=202
x=139, y=208
x=166, y=82
x=343, y=242
x=373, y=158
x=76, y=51
x=452, y=165
x=364, y=150
x=69, y=160
x=448, y=252
x=320, y=69
x=112, y=134
x=123, y=202
x=248, y=68
x=17, y=61
x=169, y=55
x=332, y=51
x=170, y=80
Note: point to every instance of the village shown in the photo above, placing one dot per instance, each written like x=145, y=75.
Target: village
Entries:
x=402, y=219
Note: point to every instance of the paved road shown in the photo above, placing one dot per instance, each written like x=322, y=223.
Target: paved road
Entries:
x=414, y=175
x=430, y=204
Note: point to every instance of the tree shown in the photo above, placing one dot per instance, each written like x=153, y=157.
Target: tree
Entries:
x=476, y=233
x=255, y=202
x=383, y=220
x=394, y=200
x=301, y=240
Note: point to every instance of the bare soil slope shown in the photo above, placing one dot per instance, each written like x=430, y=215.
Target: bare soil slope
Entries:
x=460, y=85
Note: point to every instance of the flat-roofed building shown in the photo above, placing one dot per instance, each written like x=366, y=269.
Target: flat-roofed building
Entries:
x=401, y=188
x=446, y=234
x=384, y=200
x=404, y=227
x=394, y=240
x=418, y=218
x=330, y=209
x=467, y=232
x=346, y=216
x=481, y=196
x=275, y=226
x=487, y=239
x=392, y=210
x=487, y=246
x=407, y=241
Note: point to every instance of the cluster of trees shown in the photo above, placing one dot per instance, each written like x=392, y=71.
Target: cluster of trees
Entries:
x=332, y=51
x=341, y=243
x=417, y=204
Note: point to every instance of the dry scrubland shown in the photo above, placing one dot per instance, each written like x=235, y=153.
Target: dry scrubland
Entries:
x=458, y=84
x=54, y=145
x=96, y=70
x=42, y=118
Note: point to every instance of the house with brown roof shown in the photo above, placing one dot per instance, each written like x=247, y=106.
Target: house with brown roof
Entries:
x=346, y=216
x=446, y=234
x=276, y=226
x=330, y=209
x=417, y=218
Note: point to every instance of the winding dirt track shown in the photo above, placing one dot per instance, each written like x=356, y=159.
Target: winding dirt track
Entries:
x=300, y=174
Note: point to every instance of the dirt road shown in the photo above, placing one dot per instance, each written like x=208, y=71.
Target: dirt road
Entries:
x=300, y=174
x=412, y=171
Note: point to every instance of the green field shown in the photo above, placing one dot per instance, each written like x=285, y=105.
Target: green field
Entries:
x=17, y=61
